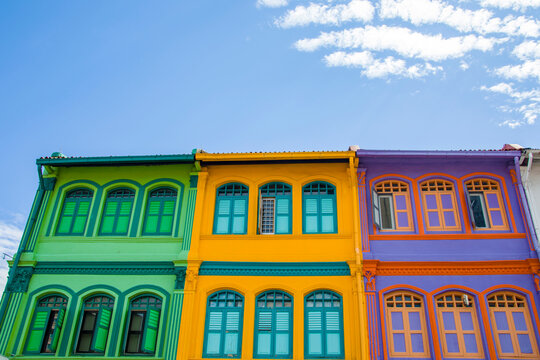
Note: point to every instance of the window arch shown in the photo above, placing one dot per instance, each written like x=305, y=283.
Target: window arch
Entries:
x=143, y=325
x=231, y=209
x=75, y=212
x=44, y=334
x=160, y=211
x=323, y=325
x=275, y=208
x=392, y=206
x=458, y=325
x=94, y=324
x=485, y=204
x=512, y=326
x=440, y=206
x=223, y=330
x=406, y=325
x=117, y=212
x=319, y=208
x=273, y=325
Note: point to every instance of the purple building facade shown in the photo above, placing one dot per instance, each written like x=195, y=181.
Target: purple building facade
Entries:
x=450, y=266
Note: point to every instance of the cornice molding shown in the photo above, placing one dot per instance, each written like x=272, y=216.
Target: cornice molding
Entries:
x=223, y=268
x=442, y=268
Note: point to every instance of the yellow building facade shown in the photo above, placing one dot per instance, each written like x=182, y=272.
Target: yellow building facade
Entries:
x=274, y=269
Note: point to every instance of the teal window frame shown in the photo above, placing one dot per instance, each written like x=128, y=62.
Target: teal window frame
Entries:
x=103, y=305
x=273, y=321
x=162, y=196
x=47, y=320
x=76, y=203
x=319, y=194
x=224, y=310
x=118, y=198
x=281, y=193
x=150, y=324
x=324, y=302
x=232, y=202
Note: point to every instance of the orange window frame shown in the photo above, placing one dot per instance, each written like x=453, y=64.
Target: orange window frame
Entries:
x=439, y=188
x=452, y=302
x=507, y=303
x=409, y=303
x=486, y=187
x=397, y=188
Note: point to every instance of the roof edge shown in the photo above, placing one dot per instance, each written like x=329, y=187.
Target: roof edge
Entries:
x=438, y=153
x=117, y=160
x=271, y=156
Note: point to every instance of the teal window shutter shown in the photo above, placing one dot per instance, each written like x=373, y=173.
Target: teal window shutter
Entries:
x=46, y=327
x=275, y=210
x=323, y=325
x=160, y=211
x=231, y=211
x=273, y=325
x=319, y=208
x=75, y=210
x=223, y=329
x=143, y=325
x=117, y=212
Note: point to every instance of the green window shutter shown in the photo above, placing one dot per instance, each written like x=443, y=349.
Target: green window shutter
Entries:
x=223, y=213
x=239, y=216
x=65, y=225
x=101, y=331
x=283, y=215
x=213, y=333
x=57, y=329
x=35, y=339
x=328, y=215
x=150, y=331
x=80, y=218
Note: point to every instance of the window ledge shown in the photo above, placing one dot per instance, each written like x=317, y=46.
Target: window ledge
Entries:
x=260, y=237
x=449, y=236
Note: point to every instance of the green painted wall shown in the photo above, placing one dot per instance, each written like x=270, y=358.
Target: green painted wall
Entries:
x=120, y=266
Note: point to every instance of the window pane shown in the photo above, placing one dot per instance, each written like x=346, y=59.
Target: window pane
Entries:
x=414, y=321
x=222, y=226
x=501, y=320
x=506, y=343
x=519, y=321
x=478, y=210
x=311, y=224
x=282, y=344
x=386, y=212
x=89, y=320
x=399, y=342
x=231, y=344
x=470, y=343
x=327, y=224
x=448, y=320
x=137, y=320
x=417, y=343
x=213, y=343
x=397, y=320
x=133, y=343
x=85, y=340
x=452, y=343
x=238, y=225
x=525, y=343
x=166, y=224
x=333, y=344
x=315, y=344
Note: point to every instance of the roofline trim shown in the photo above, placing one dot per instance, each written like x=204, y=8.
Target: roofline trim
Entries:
x=435, y=153
x=269, y=156
x=118, y=160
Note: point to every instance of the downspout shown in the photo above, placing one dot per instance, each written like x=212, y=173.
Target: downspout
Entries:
x=528, y=217
x=23, y=243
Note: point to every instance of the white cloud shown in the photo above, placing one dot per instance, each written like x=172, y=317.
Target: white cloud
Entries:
x=10, y=235
x=463, y=65
x=511, y=4
x=272, y=3
x=527, y=50
x=356, y=10
x=420, y=12
x=528, y=103
x=375, y=68
x=401, y=40
x=528, y=69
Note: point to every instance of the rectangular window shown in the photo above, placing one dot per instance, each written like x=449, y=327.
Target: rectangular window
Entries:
x=267, y=215
x=387, y=212
x=478, y=208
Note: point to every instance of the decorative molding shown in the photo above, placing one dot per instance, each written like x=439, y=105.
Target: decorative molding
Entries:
x=48, y=183
x=221, y=268
x=483, y=236
x=180, y=280
x=21, y=279
x=193, y=179
x=428, y=268
x=370, y=280
x=111, y=268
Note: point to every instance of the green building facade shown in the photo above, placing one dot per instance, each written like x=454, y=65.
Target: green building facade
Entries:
x=101, y=265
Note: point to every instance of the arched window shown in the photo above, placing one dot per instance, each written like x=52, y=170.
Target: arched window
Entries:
x=512, y=327
x=231, y=209
x=94, y=326
x=440, y=207
x=75, y=212
x=160, y=211
x=485, y=204
x=319, y=208
x=223, y=330
x=275, y=212
x=273, y=325
x=392, y=206
x=406, y=325
x=117, y=212
x=44, y=334
x=458, y=325
x=323, y=325
x=143, y=325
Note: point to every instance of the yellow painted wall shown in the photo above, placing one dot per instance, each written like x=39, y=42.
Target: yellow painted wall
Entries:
x=295, y=247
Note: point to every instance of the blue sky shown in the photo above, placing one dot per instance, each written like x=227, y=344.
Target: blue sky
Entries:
x=159, y=77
